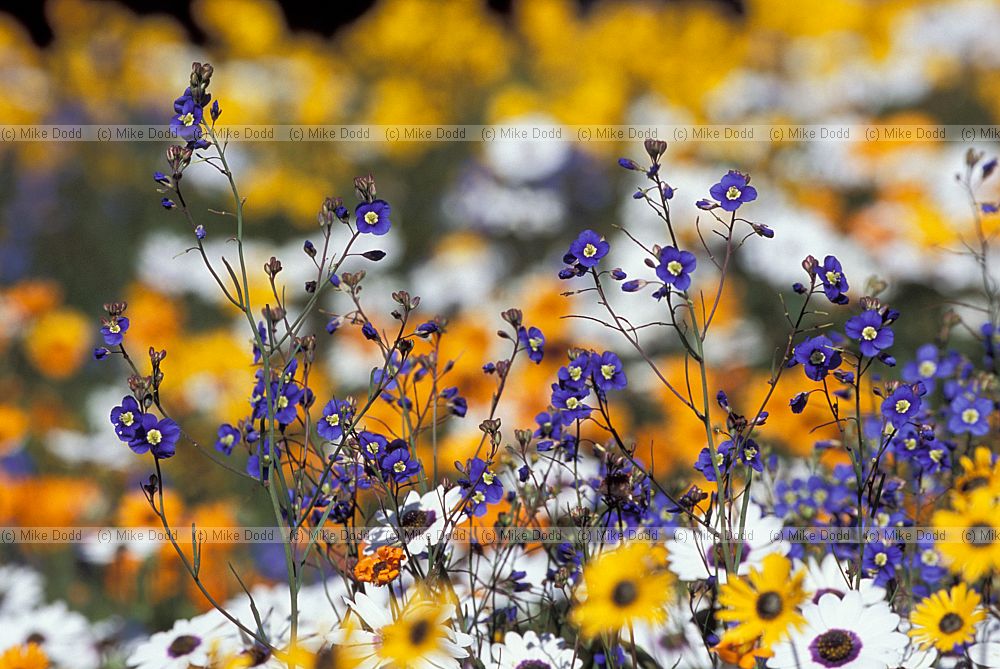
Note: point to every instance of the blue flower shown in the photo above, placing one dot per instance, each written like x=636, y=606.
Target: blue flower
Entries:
x=259, y=461
x=157, y=435
x=927, y=366
x=574, y=375
x=868, y=328
x=372, y=446
x=817, y=356
x=733, y=190
x=881, y=562
x=369, y=331
x=550, y=427
x=373, y=217
x=969, y=414
x=748, y=453
x=608, y=372
x=798, y=403
x=482, y=487
x=723, y=458
x=588, y=248
x=570, y=400
x=901, y=406
x=675, y=267
x=336, y=414
x=228, y=436
x=126, y=417
x=397, y=465
x=831, y=275
x=114, y=330
x=186, y=123
x=533, y=341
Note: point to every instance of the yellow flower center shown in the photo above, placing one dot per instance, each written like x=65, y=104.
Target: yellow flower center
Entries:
x=733, y=193
x=534, y=343
x=489, y=477
x=910, y=443
x=902, y=406
x=371, y=218
x=575, y=373
x=589, y=251
x=832, y=277
x=227, y=440
x=333, y=420
x=114, y=328
x=607, y=371
x=282, y=402
x=127, y=419
x=675, y=267
x=572, y=403
x=936, y=454
x=154, y=437
x=869, y=333
x=880, y=559
x=399, y=466
x=478, y=497
x=927, y=368
x=930, y=558
x=970, y=416
x=187, y=119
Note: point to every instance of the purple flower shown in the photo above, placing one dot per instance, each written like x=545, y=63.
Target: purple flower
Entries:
x=798, y=403
x=748, y=453
x=373, y=217
x=100, y=353
x=831, y=275
x=157, y=435
x=228, y=436
x=589, y=248
x=336, y=415
x=969, y=414
x=608, y=372
x=927, y=366
x=817, y=356
x=901, y=406
x=868, y=328
x=533, y=342
x=733, y=190
x=881, y=562
x=675, y=267
x=369, y=331
x=126, y=417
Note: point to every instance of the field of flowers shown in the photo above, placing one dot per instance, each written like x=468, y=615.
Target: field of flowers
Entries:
x=628, y=402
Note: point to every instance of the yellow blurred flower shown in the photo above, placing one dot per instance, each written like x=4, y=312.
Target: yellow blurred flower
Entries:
x=58, y=342
x=13, y=428
x=25, y=656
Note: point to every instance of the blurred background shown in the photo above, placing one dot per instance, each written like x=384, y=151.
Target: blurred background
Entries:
x=477, y=227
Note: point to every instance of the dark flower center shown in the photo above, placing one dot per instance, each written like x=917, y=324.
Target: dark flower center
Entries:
x=827, y=591
x=981, y=533
x=256, y=656
x=769, y=605
x=674, y=641
x=624, y=594
x=183, y=645
x=951, y=623
x=35, y=638
x=417, y=518
x=419, y=632
x=973, y=483
x=817, y=357
x=835, y=648
x=716, y=556
x=533, y=664
x=325, y=659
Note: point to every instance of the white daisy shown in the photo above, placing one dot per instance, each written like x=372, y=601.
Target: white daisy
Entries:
x=694, y=559
x=842, y=632
x=420, y=520
x=830, y=576
x=530, y=650
x=986, y=654
x=20, y=590
x=675, y=643
x=185, y=644
x=418, y=637
x=65, y=636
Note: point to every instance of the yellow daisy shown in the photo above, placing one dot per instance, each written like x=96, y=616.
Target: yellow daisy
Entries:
x=622, y=586
x=979, y=471
x=765, y=603
x=28, y=656
x=947, y=618
x=972, y=529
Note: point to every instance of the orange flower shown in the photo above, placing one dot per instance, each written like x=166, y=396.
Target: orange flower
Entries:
x=381, y=568
x=743, y=654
